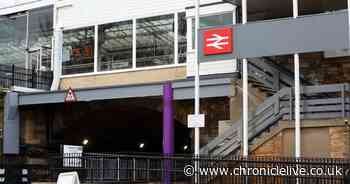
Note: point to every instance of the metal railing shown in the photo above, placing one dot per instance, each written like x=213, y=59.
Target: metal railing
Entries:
x=317, y=102
x=272, y=76
x=11, y=75
x=115, y=168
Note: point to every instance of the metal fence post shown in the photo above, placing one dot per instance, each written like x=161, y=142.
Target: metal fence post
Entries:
x=118, y=168
x=148, y=169
x=33, y=78
x=134, y=169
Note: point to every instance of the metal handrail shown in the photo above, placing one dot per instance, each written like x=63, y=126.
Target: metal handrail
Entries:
x=11, y=75
x=280, y=106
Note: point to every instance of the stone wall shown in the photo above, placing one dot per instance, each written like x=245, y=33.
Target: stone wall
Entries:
x=215, y=109
x=255, y=98
x=315, y=67
x=124, y=78
x=320, y=138
x=34, y=131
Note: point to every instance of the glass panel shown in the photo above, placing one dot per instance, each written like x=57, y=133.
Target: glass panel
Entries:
x=155, y=41
x=40, y=37
x=13, y=40
x=115, y=46
x=78, y=51
x=182, y=39
x=214, y=20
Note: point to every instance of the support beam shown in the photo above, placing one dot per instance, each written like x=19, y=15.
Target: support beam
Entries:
x=196, y=88
x=183, y=89
x=297, y=91
x=11, y=124
x=302, y=35
x=57, y=59
x=245, y=90
x=168, y=121
x=196, y=80
x=168, y=129
x=349, y=21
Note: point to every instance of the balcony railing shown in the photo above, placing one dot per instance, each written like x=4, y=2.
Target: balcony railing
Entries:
x=11, y=75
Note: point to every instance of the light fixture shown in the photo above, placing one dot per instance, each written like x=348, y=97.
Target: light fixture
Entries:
x=185, y=148
x=85, y=142
x=142, y=145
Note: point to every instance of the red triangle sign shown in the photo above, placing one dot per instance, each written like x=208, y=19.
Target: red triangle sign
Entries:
x=70, y=96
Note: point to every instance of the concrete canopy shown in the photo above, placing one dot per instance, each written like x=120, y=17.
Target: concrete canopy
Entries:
x=183, y=89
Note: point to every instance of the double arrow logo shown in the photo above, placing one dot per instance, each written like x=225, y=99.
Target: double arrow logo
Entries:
x=217, y=41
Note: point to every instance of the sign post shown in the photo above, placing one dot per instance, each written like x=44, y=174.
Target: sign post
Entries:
x=245, y=90
x=297, y=92
x=349, y=21
x=196, y=88
x=196, y=121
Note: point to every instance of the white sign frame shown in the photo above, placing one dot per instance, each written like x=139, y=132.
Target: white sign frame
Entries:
x=196, y=121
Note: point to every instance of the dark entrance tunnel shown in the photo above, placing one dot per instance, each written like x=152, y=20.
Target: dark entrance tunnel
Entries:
x=117, y=126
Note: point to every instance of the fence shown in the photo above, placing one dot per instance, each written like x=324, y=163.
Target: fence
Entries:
x=14, y=171
x=114, y=168
x=11, y=75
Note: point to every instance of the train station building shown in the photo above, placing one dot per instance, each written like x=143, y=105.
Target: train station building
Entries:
x=95, y=74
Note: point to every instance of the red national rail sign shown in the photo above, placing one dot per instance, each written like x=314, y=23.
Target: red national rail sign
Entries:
x=218, y=41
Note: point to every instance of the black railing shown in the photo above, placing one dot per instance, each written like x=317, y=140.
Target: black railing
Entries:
x=115, y=168
x=11, y=75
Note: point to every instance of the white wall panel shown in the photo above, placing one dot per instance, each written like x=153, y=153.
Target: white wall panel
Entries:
x=13, y=6
x=215, y=67
x=90, y=12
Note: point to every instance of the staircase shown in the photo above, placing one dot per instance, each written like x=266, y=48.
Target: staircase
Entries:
x=325, y=101
x=270, y=77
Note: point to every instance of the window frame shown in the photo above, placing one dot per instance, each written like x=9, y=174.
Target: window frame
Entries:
x=134, y=51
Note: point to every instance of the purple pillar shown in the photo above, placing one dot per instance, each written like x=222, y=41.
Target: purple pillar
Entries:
x=168, y=130
x=168, y=121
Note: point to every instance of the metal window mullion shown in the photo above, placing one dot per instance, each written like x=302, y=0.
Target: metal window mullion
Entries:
x=40, y=58
x=189, y=34
x=52, y=53
x=27, y=42
x=176, y=38
x=133, y=43
x=96, y=50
